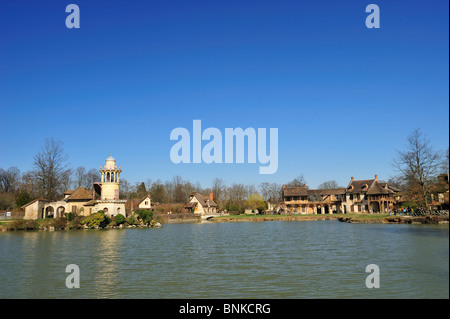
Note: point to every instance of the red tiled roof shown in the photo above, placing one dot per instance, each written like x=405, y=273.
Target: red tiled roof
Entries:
x=80, y=194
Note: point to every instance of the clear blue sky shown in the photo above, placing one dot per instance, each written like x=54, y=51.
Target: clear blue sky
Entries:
x=343, y=97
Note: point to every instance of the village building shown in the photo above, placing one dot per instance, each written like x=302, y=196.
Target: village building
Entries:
x=83, y=202
x=201, y=204
x=139, y=203
x=440, y=198
x=360, y=196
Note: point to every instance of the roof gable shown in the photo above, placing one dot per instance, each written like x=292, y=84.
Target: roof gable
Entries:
x=80, y=194
x=360, y=186
x=205, y=201
x=295, y=191
x=376, y=189
x=36, y=200
x=145, y=198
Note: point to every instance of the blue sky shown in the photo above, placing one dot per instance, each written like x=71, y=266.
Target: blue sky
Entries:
x=343, y=97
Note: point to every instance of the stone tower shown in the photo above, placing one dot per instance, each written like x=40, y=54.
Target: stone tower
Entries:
x=110, y=179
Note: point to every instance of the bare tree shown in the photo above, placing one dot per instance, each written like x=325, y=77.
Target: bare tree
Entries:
x=397, y=181
x=328, y=185
x=92, y=176
x=419, y=165
x=218, y=189
x=445, y=164
x=275, y=193
x=80, y=177
x=298, y=181
x=125, y=188
x=148, y=184
x=265, y=190
x=237, y=193
x=51, y=169
x=28, y=182
x=179, y=195
x=9, y=180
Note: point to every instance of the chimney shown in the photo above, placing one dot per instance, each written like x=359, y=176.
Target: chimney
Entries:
x=353, y=179
x=376, y=177
x=211, y=196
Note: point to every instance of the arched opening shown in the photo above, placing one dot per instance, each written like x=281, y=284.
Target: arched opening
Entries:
x=49, y=212
x=375, y=207
x=60, y=211
x=118, y=211
x=108, y=177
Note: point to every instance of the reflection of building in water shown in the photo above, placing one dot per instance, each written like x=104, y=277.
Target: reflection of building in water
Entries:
x=104, y=196
x=106, y=267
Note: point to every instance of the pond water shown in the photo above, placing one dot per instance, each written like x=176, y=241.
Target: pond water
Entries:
x=277, y=259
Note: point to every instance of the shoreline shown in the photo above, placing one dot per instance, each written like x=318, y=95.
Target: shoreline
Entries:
x=430, y=219
x=355, y=219
x=347, y=218
x=264, y=218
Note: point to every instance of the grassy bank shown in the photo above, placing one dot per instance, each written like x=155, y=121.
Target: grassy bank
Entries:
x=348, y=218
x=369, y=218
x=248, y=217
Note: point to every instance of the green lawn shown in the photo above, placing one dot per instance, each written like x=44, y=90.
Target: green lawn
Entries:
x=300, y=216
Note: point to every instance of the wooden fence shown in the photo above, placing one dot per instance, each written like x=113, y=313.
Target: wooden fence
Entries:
x=11, y=215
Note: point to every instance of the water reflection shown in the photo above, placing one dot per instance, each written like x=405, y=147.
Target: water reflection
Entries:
x=103, y=267
x=322, y=259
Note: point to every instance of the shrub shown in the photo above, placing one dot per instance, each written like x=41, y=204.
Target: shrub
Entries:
x=59, y=223
x=131, y=220
x=119, y=219
x=145, y=215
x=76, y=222
x=106, y=221
x=23, y=225
x=97, y=219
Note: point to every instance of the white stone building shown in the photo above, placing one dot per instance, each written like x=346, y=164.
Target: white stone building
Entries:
x=104, y=196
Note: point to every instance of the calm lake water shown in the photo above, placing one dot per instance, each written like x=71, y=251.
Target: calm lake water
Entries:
x=315, y=259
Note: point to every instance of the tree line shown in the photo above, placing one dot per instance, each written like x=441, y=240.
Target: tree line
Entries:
x=51, y=176
x=418, y=168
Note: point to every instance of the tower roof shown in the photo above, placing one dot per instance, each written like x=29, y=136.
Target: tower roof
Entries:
x=110, y=158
